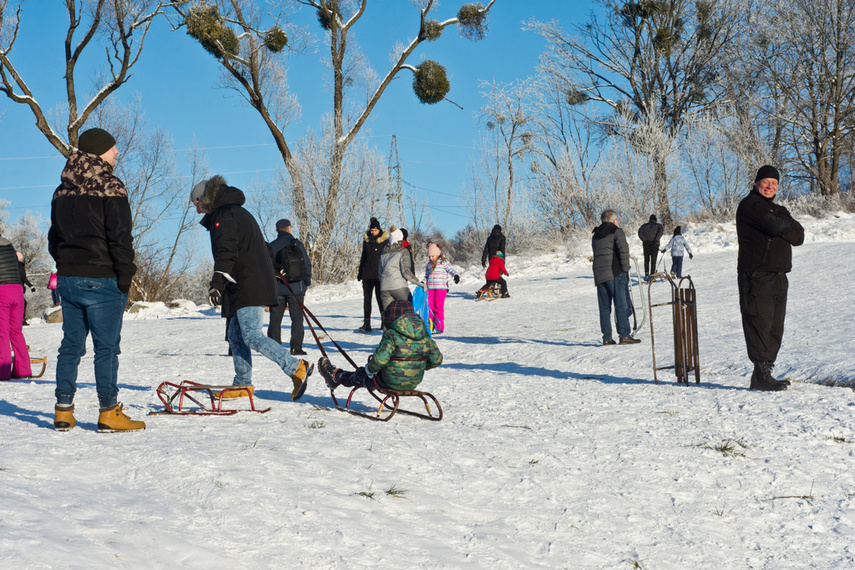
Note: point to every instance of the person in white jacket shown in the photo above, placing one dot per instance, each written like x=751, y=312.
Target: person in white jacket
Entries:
x=678, y=246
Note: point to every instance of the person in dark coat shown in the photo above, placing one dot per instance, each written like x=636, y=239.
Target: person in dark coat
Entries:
x=11, y=316
x=611, y=274
x=766, y=233
x=243, y=283
x=90, y=239
x=369, y=269
x=289, y=297
x=495, y=243
x=650, y=234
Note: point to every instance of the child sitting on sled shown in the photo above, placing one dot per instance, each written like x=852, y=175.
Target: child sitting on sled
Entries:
x=399, y=361
x=437, y=272
x=494, y=275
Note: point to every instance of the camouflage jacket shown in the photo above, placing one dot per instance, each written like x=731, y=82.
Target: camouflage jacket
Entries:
x=405, y=352
x=90, y=232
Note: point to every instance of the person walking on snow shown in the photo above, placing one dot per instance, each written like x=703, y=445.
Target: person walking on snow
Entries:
x=11, y=316
x=291, y=295
x=650, y=234
x=369, y=270
x=611, y=276
x=90, y=240
x=243, y=283
x=437, y=272
x=396, y=272
x=495, y=243
x=766, y=233
x=678, y=245
x=54, y=296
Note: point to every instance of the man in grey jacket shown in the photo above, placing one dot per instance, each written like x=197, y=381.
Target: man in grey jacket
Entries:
x=395, y=272
x=611, y=272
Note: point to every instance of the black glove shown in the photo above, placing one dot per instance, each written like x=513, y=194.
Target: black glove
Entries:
x=215, y=297
x=32, y=289
x=359, y=277
x=690, y=256
x=456, y=279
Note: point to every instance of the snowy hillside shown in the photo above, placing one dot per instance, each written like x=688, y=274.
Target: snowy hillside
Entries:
x=555, y=452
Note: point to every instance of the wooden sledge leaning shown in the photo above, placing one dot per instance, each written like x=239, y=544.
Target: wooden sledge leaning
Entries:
x=489, y=294
x=194, y=399
x=390, y=401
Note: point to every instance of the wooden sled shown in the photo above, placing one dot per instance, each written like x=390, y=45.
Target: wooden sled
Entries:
x=489, y=294
x=385, y=412
x=194, y=399
x=43, y=362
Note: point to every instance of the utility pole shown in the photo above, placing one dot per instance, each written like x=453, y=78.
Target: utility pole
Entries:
x=395, y=204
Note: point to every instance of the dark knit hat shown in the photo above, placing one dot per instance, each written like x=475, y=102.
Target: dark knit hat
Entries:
x=396, y=309
x=652, y=217
x=283, y=224
x=95, y=141
x=767, y=171
x=374, y=225
x=678, y=230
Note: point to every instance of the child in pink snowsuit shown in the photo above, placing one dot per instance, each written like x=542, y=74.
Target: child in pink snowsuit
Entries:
x=11, y=316
x=51, y=284
x=437, y=271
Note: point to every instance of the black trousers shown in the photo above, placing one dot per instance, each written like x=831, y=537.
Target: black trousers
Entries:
x=651, y=250
x=274, y=330
x=763, y=304
x=503, y=285
x=369, y=286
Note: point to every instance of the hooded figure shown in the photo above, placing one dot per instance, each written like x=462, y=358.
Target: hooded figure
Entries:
x=496, y=242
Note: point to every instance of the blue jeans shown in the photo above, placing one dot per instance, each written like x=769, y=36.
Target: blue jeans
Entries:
x=677, y=265
x=614, y=291
x=90, y=305
x=245, y=335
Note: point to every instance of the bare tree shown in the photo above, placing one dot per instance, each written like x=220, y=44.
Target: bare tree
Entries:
x=647, y=59
x=117, y=26
x=245, y=40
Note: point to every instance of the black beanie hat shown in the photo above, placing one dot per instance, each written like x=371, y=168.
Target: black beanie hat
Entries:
x=767, y=171
x=652, y=218
x=678, y=230
x=374, y=224
x=95, y=141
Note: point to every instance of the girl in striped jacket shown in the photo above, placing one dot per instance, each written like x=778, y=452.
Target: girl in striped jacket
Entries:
x=437, y=272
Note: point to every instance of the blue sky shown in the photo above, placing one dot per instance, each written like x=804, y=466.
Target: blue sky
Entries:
x=177, y=80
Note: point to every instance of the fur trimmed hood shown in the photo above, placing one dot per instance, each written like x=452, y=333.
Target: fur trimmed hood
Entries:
x=218, y=194
x=381, y=237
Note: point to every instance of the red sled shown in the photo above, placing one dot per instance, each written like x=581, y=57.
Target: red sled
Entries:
x=194, y=399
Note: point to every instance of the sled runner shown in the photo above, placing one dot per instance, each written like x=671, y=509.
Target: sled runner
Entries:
x=194, y=399
x=43, y=362
x=488, y=294
x=389, y=404
x=684, y=317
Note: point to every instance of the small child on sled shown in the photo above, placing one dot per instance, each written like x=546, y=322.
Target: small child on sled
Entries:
x=399, y=361
x=437, y=271
x=494, y=275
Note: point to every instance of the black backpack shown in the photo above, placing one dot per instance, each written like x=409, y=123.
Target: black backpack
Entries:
x=290, y=258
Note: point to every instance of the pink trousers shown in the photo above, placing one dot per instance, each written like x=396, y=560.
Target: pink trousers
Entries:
x=11, y=334
x=436, y=304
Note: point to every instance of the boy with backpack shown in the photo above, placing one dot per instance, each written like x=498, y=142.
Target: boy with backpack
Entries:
x=290, y=257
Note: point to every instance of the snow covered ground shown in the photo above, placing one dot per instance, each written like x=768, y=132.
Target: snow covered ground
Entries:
x=555, y=452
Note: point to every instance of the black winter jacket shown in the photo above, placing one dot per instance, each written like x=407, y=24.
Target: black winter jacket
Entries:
x=496, y=242
x=9, y=274
x=90, y=231
x=239, y=249
x=282, y=241
x=766, y=233
x=369, y=261
x=611, y=252
x=651, y=232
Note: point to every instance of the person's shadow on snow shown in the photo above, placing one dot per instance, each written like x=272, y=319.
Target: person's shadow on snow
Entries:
x=37, y=418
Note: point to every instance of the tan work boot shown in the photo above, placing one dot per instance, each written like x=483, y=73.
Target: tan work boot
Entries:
x=300, y=379
x=63, y=419
x=113, y=419
x=236, y=392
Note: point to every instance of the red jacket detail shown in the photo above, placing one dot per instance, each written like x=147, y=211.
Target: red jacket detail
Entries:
x=496, y=269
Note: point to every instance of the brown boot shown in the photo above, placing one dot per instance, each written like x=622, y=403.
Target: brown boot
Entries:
x=300, y=379
x=63, y=419
x=113, y=419
x=236, y=392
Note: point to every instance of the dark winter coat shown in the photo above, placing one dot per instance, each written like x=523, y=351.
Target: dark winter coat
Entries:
x=239, y=249
x=9, y=274
x=651, y=232
x=495, y=243
x=404, y=353
x=369, y=261
x=282, y=241
x=766, y=233
x=496, y=269
x=90, y=232
x=611, y=252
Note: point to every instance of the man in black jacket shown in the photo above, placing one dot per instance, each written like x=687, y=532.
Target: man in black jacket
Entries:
x=766, y=233
x=369, y=269
x=243, y=283
x=611, y=272
x=90, y=240
x=291, y=295
x=650, y=234
x=495, y=243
